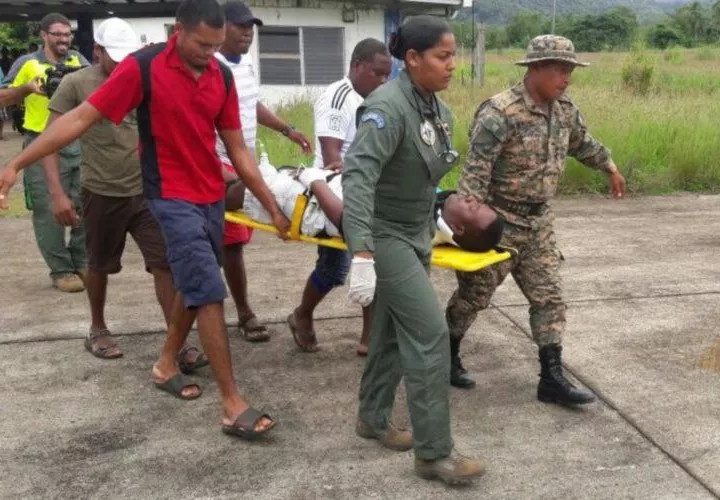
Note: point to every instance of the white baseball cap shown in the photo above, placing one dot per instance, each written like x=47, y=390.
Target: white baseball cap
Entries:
x=117, y=38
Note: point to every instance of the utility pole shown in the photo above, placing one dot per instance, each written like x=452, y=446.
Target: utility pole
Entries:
x=553, y=21
x=473, y=27
x=478, y=50
x=479, y=55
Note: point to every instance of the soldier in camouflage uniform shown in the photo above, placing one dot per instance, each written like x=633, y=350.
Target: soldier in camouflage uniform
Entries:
x=519, y=143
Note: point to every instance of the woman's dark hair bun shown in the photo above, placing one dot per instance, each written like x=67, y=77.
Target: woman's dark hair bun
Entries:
x=418, y=33
x=395, y=44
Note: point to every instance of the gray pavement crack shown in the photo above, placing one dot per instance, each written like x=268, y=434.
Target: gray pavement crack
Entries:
x=682, y=464
x=352, y=316
x=58, y=338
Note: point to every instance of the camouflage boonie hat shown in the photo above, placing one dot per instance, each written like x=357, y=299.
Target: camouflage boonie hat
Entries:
x=551, y=48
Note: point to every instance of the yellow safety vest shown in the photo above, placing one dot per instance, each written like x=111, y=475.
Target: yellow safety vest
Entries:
x=36, y=106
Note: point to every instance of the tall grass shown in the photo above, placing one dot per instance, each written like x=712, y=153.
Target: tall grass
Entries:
x=664, y=139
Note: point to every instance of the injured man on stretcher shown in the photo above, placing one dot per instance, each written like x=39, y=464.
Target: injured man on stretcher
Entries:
x=461, y=222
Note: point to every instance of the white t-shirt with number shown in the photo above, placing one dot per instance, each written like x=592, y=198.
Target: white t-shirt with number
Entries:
x=335, y=116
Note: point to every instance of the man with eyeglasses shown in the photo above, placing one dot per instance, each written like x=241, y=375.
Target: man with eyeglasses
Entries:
x=24, y=84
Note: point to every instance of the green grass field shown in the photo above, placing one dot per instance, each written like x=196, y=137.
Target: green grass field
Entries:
x=662, y=131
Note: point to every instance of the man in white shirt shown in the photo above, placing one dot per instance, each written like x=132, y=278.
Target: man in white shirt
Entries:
x=334, y=118
x=335, y=111
x=240, y=28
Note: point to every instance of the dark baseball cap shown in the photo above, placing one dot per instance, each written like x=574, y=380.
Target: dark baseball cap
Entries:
x=239, y=13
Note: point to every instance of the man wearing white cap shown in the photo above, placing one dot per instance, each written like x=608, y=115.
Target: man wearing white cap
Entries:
x=112, y=200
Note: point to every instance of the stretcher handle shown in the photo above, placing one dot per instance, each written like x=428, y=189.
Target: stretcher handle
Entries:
x=297, y=216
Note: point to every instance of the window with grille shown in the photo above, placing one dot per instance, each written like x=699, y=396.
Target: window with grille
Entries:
x=301, y=55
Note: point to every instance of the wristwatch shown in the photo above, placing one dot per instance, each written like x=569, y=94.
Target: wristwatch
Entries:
x=287, y=130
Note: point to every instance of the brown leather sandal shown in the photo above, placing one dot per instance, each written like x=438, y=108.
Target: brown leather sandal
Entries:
x=102, y=352
x=313, y=347
x=252, y=330
x=187, y=367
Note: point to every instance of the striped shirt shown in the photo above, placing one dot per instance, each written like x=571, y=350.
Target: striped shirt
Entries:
x=335, y=116
x=244, y=74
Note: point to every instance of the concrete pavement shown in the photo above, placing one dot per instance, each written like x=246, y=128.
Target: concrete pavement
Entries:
x=642, y=277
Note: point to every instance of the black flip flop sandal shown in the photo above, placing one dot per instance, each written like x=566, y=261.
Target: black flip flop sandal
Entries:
x=244, y=425
x=175, y=386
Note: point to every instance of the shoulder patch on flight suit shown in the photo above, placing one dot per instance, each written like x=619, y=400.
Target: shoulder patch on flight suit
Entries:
x=374, y=117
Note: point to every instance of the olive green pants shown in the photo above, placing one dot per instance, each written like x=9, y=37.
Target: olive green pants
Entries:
x=409, y=338
x=60, y=255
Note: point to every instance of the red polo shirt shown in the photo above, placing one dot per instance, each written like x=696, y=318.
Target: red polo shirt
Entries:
x=177, y=125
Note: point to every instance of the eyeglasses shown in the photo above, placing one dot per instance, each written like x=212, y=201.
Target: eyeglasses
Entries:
x=56, y=34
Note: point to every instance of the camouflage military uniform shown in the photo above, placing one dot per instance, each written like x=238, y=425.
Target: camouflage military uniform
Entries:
x=516, y=156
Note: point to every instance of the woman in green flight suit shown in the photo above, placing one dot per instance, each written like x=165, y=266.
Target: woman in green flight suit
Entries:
x=401, y=151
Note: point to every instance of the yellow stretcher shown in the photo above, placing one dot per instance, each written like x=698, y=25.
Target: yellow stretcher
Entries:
x=442, y=256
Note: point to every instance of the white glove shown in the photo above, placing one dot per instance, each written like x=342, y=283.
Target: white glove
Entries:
x=362, y=281
x=309, y=175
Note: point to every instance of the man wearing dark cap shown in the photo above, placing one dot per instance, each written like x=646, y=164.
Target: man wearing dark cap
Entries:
x=234, y=53
x=519, y=144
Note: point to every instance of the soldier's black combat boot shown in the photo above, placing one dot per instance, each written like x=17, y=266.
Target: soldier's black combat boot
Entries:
x=553, y=386
x=459, y=376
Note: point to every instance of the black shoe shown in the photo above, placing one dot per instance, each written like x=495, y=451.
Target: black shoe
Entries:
x=459, y=376
x=553, y=386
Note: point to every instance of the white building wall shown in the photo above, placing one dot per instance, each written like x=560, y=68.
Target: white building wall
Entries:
x=368, y=23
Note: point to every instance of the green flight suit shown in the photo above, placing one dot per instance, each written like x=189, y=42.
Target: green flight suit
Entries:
x=389, y=182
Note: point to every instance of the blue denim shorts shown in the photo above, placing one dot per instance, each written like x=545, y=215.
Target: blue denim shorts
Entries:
x=331, y=268
x=193, y=238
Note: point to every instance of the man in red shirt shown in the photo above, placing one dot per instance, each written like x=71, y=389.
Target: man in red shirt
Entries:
x=182, y=95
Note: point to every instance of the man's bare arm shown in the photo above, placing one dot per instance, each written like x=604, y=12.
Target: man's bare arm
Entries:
x=268, y=119
x=247, y=170
x=235, y=196
x=331, y=205
x=15, y=95
x=330, y=149
x=59, y=134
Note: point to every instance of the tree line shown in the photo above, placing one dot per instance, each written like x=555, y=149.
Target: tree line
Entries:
x=18, y=36
x=690, y=25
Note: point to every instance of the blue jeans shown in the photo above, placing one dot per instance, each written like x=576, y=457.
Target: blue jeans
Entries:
x=193, y=237
x=331, y=269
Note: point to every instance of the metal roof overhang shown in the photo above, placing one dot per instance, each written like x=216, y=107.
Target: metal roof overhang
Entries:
x=34, y=10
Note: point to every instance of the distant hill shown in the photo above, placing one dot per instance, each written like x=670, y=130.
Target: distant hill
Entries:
x=501, y=11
